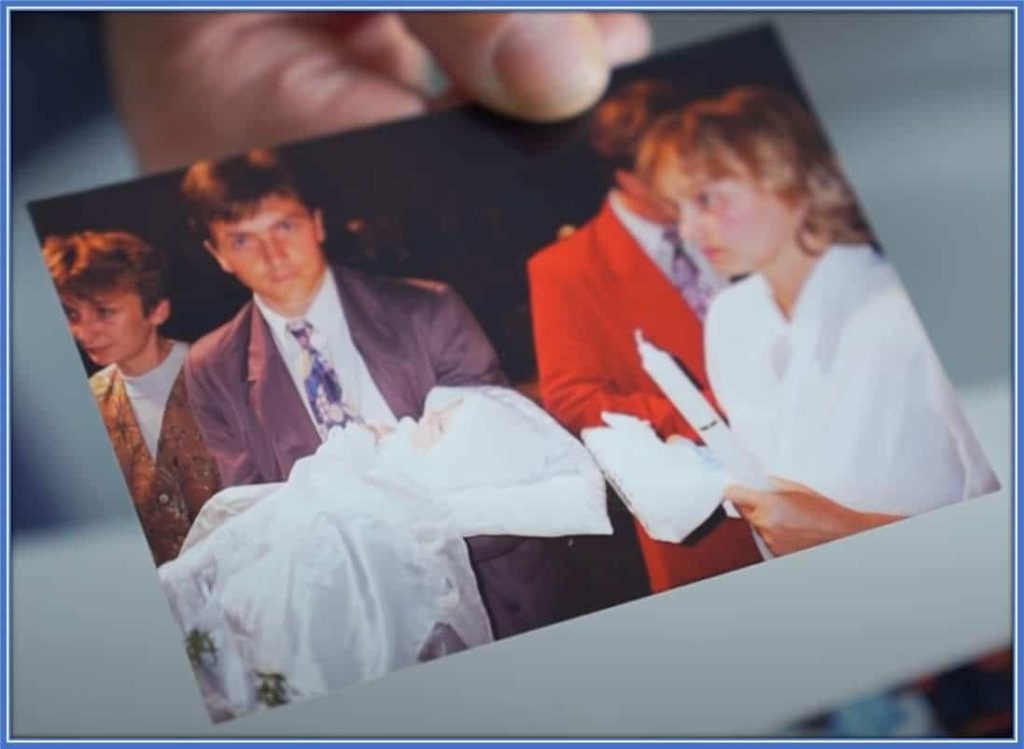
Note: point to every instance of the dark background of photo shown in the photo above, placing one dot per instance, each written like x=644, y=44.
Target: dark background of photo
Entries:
x=462, y=196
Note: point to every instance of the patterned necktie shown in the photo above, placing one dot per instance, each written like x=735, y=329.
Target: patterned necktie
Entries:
x=321, y=382
x=686, y=277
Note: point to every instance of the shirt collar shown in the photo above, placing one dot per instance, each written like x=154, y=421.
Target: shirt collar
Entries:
x=816, y=322
x=650, y=235
x=165, y=370
x=324, y=313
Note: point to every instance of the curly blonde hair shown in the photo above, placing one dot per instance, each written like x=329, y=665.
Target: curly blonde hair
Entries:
x=757, y=134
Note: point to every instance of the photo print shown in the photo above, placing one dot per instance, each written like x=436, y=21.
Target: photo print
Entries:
x=392, y=394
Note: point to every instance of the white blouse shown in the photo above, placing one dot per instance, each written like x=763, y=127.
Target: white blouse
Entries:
x=848, y=396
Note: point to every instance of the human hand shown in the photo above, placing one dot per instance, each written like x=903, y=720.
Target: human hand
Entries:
x=205, y=85
x=793, y=516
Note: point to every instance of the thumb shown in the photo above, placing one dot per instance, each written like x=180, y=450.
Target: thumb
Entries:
x=537, y=66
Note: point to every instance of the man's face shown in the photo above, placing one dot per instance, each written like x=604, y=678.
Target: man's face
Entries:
x=112, y=327
x=275, y=251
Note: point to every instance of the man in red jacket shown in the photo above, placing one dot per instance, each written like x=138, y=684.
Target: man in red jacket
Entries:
x=626, y=270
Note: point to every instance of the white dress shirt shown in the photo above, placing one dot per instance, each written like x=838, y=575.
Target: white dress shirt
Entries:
x=650, y=235
x=148, y=394
x=331, y=337
x=848, y=396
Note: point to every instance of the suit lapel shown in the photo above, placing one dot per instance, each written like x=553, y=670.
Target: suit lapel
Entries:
x=650, y=300
x=379, y=344
x=275, y=401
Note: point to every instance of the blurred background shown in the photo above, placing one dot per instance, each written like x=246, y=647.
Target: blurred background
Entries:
x=918, y=106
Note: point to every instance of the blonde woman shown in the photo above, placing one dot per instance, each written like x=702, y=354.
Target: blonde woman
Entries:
x=817, y=356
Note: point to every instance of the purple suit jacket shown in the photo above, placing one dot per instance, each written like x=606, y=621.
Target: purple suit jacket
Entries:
x=412, y=335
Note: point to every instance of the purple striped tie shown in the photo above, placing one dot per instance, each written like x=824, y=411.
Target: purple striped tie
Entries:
x=686, y=277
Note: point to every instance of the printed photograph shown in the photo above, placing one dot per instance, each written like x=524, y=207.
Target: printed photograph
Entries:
x=389, y=395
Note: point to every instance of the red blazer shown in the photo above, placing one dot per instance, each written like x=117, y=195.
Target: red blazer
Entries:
x=588, y=293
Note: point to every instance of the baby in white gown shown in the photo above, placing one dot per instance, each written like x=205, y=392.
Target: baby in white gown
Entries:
x=356, y=565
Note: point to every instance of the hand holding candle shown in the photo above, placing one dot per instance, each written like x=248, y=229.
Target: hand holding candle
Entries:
x=694, y=407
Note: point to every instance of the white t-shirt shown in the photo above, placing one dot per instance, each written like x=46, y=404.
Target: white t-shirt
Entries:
x=148, y=394
x=848, y=396
x=331, y=337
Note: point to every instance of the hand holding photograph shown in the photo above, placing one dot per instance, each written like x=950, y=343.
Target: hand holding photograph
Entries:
x=352, y=382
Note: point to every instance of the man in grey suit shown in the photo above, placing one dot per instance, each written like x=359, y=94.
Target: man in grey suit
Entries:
x=320, y=345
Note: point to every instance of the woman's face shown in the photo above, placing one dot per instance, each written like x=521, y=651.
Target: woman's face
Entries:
x=740, y=227
x=113, y=328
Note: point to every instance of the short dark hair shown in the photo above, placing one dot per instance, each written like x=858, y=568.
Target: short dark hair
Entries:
x=618, y=123
x=89, y=263
x=231, y=189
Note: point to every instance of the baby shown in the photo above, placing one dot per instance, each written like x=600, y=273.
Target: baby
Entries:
x=485, y=436
x=356, y=565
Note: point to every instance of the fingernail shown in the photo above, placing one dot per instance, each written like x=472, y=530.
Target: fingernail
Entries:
x=551, y=65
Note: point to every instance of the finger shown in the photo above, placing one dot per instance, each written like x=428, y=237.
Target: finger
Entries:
x=536, y=66
x=787, y=485
x=749, y=513
x=380, y=43
x=745, y=499
x=771, y=542
x=627, y=36
x=208, y=85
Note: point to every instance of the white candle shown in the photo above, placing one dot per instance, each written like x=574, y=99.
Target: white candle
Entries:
x=737, y=461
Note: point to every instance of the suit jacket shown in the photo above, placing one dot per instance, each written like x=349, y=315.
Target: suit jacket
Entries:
x=412, y=335
x=170, y=489
x=588, y=294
